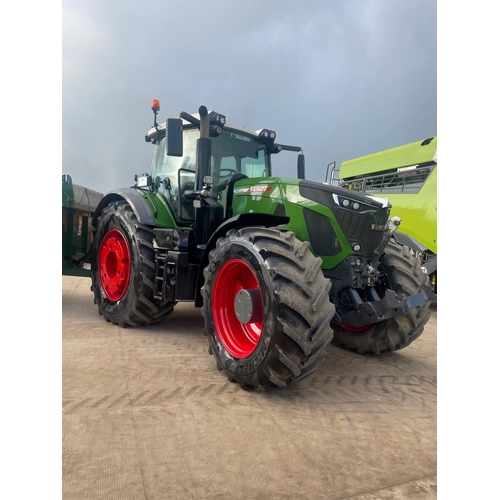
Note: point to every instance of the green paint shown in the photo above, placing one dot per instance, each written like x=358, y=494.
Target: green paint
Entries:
x=163, y=214
x=248, y=197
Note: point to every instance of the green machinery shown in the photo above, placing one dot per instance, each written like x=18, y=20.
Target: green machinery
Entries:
x=280, y=267
x=78, y=206
x=407, y=177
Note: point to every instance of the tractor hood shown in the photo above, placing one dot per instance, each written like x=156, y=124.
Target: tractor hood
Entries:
x=334, y=220
x=361, y=218
x=325, y=192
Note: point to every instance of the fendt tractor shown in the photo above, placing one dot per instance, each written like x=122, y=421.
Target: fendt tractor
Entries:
x=278, y=266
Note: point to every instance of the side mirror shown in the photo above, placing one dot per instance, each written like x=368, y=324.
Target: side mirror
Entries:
x=301, y=167
x=173, y=137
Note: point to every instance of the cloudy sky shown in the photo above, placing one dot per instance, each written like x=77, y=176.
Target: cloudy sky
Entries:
x=339, y=78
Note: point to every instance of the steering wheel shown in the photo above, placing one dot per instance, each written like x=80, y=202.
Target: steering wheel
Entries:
x=218, y=175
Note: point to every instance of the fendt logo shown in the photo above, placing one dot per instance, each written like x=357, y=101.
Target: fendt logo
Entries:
x=253, y=189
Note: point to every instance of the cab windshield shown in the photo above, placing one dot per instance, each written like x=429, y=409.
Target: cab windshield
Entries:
x=233, y=152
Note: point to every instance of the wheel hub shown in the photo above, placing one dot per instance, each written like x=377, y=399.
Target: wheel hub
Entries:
x=114, y=265
x=248, y=306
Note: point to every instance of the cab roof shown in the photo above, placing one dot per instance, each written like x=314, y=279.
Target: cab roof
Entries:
x=161, y=127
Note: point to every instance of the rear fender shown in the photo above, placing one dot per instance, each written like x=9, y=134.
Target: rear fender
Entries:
x=136, y=201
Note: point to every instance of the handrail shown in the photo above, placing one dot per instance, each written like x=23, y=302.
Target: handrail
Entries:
x=394, y=181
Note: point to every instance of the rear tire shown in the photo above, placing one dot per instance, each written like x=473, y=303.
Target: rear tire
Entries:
x=403, y=274
x=123, y=269
x=289, y=332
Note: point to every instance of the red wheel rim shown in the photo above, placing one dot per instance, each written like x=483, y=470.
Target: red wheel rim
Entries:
x=355, y=329
x=240, y=340
x=114, y=265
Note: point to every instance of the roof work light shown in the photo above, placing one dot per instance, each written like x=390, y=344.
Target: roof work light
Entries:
x=265, y=135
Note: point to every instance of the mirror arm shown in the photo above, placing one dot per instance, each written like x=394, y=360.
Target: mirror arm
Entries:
x=189, y=118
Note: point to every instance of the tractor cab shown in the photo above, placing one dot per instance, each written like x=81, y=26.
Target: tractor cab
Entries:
x=235, y=153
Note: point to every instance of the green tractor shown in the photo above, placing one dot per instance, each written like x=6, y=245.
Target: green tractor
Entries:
x=279, y=267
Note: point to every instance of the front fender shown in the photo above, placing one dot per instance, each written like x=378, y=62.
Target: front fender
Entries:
x=237, y=222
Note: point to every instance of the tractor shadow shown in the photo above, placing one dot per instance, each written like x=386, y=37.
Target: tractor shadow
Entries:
x=185, y=320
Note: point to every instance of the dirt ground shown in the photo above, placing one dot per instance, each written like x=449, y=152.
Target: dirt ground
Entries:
x=146, y=415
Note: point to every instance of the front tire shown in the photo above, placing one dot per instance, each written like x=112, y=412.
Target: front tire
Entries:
x=402, y=273
x=123, y=269
x=287, y=329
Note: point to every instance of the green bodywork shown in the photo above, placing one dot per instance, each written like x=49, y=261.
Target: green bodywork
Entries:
x=264, y=195
x=161, y=211
x=418, y=211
